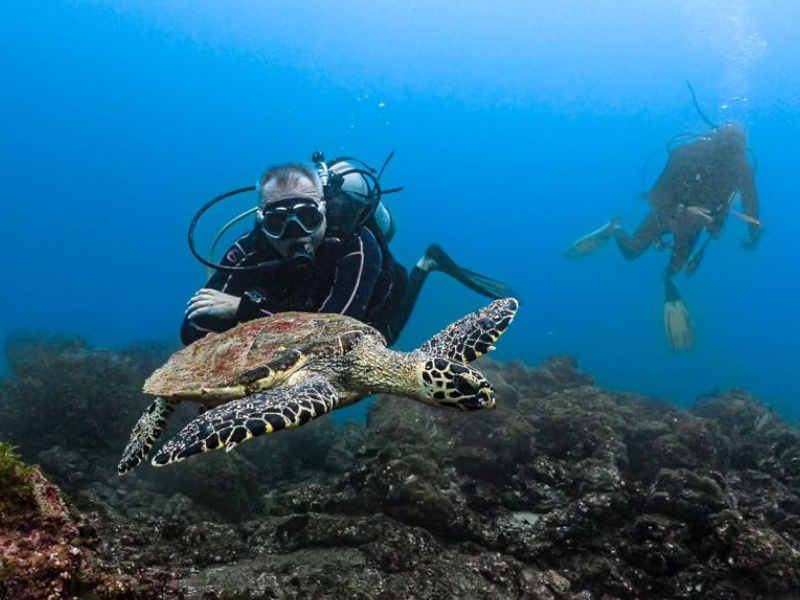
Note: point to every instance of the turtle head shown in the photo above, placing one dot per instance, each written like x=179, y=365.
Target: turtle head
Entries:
x=451, y=384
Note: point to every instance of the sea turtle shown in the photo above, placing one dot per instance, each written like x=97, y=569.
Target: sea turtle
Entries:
x=281, y=371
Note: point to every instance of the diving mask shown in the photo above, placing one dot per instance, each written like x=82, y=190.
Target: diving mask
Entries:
x=293, y=218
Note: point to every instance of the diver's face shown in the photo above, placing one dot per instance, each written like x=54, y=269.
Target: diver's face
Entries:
x=305, y=245
x=292, y=218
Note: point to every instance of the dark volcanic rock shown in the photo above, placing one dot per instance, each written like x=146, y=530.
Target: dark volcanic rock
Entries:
x=565, y=492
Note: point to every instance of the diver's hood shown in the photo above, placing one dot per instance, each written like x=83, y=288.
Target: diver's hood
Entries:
x=730, y=135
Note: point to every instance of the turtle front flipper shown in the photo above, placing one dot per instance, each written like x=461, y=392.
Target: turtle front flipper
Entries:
x=472, y=336
x=147, y=430
x=240, y=420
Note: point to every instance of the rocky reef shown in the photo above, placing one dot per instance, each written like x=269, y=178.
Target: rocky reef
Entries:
x=565, y=492
x=44, y=551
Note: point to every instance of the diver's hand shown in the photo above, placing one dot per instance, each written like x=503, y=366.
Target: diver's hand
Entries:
x=212, y=303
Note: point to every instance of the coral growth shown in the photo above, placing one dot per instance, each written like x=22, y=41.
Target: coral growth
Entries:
x=15, y=476
x=43, y=554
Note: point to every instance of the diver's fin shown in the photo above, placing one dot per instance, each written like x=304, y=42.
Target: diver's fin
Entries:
x=482, y=284
x=487, y=286
x=678, y=326
x=593, y=241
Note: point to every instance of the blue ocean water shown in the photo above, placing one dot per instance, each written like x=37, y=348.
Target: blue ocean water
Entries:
x=517, y=125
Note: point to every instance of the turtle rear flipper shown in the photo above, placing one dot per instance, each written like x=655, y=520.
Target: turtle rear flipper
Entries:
x=257, y=414
x=145, y=433
x=472, y=336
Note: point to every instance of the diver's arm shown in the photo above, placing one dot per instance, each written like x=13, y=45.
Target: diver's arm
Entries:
x=747, y=188
x=356, y=274
x=192, y=329
x=225, y=282
x=254, y=305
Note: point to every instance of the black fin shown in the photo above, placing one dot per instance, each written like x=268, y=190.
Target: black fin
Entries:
x=481, y=284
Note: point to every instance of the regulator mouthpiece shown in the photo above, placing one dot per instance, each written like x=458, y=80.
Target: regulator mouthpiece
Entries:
x=301, y=254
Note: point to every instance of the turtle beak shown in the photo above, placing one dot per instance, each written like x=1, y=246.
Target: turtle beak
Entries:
x=473, y=393
x=486, y=398
x=482, y=399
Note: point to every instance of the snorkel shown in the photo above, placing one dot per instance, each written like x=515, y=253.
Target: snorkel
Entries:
x=700, y=110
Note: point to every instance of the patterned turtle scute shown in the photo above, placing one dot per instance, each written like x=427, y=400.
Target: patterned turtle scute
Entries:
x=238, y=421
x=255, y=374
x=278, y=342
x=482, y=328
x=148, y=429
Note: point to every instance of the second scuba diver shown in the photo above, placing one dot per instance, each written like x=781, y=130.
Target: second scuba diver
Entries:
x=695, y=192
x=319, y=244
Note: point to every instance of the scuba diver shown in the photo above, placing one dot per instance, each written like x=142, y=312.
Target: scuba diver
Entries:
x=694, y=193
x=319, y=244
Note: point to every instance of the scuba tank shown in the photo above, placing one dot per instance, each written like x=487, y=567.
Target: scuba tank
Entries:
x=353, y=196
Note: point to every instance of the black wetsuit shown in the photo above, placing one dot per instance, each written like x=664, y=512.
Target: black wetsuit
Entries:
x=697, y=175
x=394, y=298
x=353, y=276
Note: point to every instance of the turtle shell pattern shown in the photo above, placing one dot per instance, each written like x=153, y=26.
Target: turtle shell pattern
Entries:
x=228, y=358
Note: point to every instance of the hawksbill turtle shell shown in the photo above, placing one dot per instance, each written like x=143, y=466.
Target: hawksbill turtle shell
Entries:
x=281, y=371
x=223, y=361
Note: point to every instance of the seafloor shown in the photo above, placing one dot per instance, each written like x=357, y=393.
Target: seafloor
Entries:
x=565, y=492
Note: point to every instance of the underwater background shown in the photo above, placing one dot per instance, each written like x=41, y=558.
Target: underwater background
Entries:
x=612, y=469
x=517, y=125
